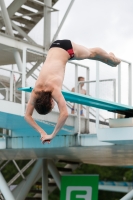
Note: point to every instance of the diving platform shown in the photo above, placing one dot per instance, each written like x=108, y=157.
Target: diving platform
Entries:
x=104, y=145
x=24, y=142
x=93, y=102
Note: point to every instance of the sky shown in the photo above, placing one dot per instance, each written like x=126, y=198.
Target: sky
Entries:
x=107, y=24
x=97, y=23
x=103, y=23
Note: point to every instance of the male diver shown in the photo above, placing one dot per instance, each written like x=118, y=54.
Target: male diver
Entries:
x=49, y=83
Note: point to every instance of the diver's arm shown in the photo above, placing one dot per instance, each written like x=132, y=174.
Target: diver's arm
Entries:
x=29, y=112
x=58, y=97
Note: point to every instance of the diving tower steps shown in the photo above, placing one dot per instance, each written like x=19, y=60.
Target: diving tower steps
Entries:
x=26, y=13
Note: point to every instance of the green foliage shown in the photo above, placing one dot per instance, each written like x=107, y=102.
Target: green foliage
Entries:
x=55, y=195
x=129, y=175
x=105, y=174
x=105, y=195
x=9, y=171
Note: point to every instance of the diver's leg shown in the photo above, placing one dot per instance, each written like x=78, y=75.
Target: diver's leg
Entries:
x=81, y=52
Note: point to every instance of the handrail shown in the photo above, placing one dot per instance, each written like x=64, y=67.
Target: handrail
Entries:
x=23, y=73
x=84, y=106
x=79, y=121
x=6, y=89
x=11, y=70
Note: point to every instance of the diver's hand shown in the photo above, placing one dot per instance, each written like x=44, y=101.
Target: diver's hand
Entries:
x=46, y=138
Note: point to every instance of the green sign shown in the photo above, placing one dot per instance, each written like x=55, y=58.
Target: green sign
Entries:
x=79, y=187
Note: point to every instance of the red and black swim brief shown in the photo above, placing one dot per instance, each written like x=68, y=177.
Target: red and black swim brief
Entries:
x=64, y=44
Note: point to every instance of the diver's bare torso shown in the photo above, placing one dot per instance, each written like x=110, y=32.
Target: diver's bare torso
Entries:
x=52, y=71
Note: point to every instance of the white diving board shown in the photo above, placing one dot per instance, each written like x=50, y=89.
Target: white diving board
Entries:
x=93, y=102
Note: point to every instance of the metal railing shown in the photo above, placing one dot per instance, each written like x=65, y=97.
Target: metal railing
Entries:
x=7, y=91
x=79, y=116
x=77, y=84
x=119, y=86
x=12, y=84
x=129, y=82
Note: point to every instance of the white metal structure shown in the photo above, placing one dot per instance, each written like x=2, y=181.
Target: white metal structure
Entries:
x=15, y=143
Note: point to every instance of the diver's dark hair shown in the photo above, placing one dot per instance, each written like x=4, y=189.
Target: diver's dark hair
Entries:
x=43, y=104
x=80, y=78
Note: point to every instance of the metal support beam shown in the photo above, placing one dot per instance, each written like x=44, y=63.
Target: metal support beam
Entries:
x=128, y=196
x=4, y=164
x=130, y=84
x=29, y=73
x=10, y=32
x=23, y=33
x=87, y=107
x=16, y=44
x=22, y=190
x=18, y=169
x=53, y=170
x=11, y=85
x=33, y=68
x=14, y=6
x=44, y=180
x=6, y=18
x=119, y=83
x=22, y=170
x=76, y=90
x=47, y=24
x=5, y=189
x=39, y=175
x=63, y=20
x=97, y=94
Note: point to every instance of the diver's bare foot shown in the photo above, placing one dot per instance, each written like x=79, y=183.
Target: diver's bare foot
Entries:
x=113, y=60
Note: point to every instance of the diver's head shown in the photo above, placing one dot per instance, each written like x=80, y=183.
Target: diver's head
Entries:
x=44, y=103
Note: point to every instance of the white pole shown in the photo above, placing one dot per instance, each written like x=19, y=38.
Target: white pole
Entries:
x=5, y=189
x=130, y=84
x=23, y=80
x=97, y=94
x=22, y=183
x=119, y=83
x=87, y=93
x=76, y=90
x=114, y=86
x=10, y=32
x=44, y=180
x=128, y=196
x=47, y=24
x=79, y=118
x=53, y=170
x=29, y=182
x=11, y=85
x=18, y=169
x=76, y=78
x=6, y=18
